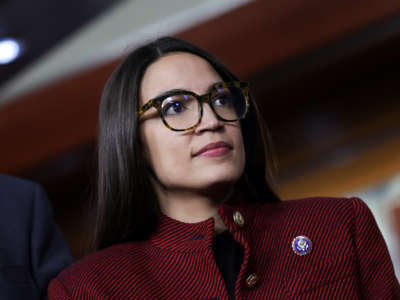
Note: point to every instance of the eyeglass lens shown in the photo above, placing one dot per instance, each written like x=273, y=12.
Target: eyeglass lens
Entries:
x=183, y=110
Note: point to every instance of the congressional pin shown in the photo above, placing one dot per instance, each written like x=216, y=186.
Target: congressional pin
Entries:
x=301, y=245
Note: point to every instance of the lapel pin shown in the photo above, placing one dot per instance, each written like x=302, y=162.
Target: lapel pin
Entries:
x=301, y=245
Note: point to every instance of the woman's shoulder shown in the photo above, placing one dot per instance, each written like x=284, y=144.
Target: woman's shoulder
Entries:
x=313, y=209
x=317, y=204
x=104, y=263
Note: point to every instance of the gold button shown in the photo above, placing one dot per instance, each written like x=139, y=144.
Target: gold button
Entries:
x=251, y=280
x=238, y=218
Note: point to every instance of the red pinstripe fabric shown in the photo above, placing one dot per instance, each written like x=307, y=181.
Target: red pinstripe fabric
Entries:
x=349, y=259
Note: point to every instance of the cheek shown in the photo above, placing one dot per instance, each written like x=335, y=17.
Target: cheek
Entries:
x=165, y=153
x=242, y=152
x=242, y=156
x=236, y=134
x=150, y=142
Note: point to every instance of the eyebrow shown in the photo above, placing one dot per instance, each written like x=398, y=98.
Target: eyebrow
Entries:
x=174, y=91
x=170, y=92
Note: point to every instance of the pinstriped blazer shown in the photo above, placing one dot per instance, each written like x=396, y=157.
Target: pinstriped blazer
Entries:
x=348, y=260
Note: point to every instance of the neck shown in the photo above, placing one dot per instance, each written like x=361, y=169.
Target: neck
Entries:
x=189, y=207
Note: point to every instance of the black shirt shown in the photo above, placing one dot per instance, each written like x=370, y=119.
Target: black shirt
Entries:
x=229, y=257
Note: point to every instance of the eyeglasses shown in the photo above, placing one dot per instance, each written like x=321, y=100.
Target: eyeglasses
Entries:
x=183, y=110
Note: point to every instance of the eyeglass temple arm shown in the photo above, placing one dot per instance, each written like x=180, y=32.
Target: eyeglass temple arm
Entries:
x=145, y=107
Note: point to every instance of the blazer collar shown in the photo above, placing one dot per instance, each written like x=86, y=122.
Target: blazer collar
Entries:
x=188, y=237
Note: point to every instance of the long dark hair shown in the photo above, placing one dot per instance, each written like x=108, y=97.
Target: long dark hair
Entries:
x=126, y=203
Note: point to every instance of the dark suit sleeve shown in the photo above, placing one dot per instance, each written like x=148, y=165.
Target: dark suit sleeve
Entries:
x=49, y=251
x=376, y=269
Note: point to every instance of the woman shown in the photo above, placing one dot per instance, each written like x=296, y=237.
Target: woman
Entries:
x=184, y=211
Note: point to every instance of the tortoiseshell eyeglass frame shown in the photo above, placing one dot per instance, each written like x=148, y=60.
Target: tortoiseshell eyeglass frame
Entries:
x=156, y=102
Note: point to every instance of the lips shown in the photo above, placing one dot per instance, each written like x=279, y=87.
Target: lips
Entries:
x=214, y=149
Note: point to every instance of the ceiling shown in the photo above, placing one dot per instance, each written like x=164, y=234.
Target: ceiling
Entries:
x=41, y=24
x=60, y=38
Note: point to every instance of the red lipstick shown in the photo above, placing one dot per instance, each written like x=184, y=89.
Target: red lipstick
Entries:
x=214, y=149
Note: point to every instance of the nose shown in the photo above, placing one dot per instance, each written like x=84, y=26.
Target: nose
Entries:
x=209, y=120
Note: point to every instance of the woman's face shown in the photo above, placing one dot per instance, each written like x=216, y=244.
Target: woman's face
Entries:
x=180, y=159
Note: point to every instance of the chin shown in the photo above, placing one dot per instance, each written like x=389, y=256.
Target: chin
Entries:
x=220, y=178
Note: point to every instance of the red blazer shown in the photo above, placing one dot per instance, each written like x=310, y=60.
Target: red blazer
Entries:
x=346, y=258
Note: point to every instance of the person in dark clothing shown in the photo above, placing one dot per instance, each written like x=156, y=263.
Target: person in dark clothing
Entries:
x=32, y=248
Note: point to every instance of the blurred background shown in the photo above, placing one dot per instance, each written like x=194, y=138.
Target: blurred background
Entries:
x=324, y=73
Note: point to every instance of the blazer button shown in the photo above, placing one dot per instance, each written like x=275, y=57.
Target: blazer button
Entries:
x=238, y=219
x=251, y=281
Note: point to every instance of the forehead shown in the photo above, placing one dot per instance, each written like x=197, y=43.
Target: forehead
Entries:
x=178, y=70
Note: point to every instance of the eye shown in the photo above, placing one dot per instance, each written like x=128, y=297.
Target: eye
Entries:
x=173, y=108
x=175, y=105
x=224, y=99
